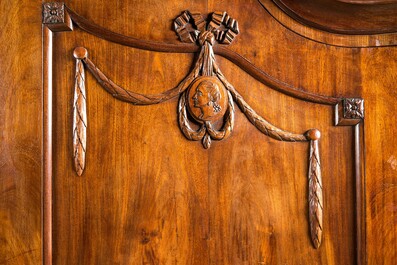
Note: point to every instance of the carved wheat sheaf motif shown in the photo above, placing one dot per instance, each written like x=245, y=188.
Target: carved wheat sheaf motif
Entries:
x=315, y=195
x=79, y=114
x=206, y=102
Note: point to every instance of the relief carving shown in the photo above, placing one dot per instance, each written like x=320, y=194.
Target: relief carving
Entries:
x=53, y=13
x=206, y=99
x=350, y=111
x=315, y=193
x=55, y=17
x=79, y=113
x=353, y=108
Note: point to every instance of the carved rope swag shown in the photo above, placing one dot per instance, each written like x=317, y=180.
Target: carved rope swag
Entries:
x=206, y=99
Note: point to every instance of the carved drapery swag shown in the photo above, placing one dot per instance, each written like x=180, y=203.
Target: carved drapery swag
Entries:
x=206, y=99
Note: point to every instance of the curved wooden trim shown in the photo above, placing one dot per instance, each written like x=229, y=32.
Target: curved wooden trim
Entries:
x=259, y=122
x=109, y=35
x=321, y=36
x=368, y=2
x=136, y=98
x=272, y=82
x=336, y=16
x=221, y=50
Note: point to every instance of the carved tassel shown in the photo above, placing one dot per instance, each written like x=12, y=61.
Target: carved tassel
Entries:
x=79, y=113
x=207, y=141
x=315, y=189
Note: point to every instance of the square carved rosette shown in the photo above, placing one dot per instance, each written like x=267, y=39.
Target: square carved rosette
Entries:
x=350, y=111
x=55, y=17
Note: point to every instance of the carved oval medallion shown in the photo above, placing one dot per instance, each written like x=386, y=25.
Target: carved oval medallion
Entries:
x=207, y=99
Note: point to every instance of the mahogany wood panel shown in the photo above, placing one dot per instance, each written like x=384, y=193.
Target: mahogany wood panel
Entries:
x=209, y=98
x=21, y=129
x=197, y=206
x=81, y=203
x=135, y=208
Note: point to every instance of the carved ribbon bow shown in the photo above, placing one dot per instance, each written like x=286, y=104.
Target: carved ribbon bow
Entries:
x=191, y=27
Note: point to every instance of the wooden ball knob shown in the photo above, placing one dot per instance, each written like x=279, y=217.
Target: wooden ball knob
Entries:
x=313, y=134
x=80, y=53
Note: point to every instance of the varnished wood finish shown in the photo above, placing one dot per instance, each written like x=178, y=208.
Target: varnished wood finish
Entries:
x=380, y=146
x=336, y=16
x=238, y=59
x=315, y=195
x=47, y=145
x=136, y=98
x=326, y=37
x=368, y=2
x=238, y=202
x=205, y=68
x=20, y=132
x=350, y=111
x=360, y=178
x=106, y=34
x=209, y=98
x=55, y=17
x=79, y=112
x=212, y=217
x=260, y=123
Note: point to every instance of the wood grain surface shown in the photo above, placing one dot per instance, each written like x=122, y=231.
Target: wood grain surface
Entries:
x=234, y=57
x=150, y=196
x=380, y=151
x=324, y=11
x=21, y=132
x=374, y=17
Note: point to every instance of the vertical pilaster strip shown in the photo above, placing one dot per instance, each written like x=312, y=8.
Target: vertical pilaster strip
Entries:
x=47, y=146
x=350, y=112
x=360, y=194
x=315, y=190
x=54, y=19
x=79, y=113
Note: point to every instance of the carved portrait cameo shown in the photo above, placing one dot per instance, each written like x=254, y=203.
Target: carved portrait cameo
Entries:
x=207, y=99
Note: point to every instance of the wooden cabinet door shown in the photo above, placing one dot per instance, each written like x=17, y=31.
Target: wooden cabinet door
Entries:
x=176, y=137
